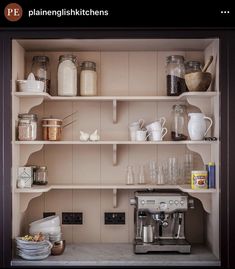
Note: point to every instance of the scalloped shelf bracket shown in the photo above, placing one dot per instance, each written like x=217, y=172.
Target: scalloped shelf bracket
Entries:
x=28, y=150
x=25, y=198
x=205, y=199
x=28, y=103
x=203, y=150
x=198, y=102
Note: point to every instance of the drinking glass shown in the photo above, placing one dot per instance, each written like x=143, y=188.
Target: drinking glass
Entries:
x=141, y=175
x=172, y=170
x=188, y=167
x=129, y=175
x=153, y=172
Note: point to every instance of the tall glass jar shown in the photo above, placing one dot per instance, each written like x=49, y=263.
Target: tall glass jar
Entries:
x=27, y=127
x=67, y=75
x=175, y=72
x=41, y=176
x=88, y=79
x=179, y=123
x=41, y=71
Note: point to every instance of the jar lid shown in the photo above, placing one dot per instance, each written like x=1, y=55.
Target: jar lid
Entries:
x=67, y=57
x=41, y=59
x=179, y=108
x=27, y=116
x=193, y=63
x=88, y=65
x=42, y=167
x=175, y=59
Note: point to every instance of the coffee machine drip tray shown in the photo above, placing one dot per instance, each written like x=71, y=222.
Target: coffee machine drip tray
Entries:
x=162, y=245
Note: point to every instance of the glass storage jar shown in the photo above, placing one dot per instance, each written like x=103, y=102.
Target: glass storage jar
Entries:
x=67, y=75
x=175, y=72
x=179, y=122
x=192, y=66
x=41, y=71
x=88, y=79
x=41, y=176
x=27, y=127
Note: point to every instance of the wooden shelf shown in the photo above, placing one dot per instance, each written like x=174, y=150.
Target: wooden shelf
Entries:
x=184, y=96
x=67, y=142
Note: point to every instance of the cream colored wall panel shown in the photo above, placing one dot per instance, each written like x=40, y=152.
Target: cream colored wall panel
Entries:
x=59, y=163
x=114, y=73
x=166, y=151
x=141, y=155
x=87, y=202
x=142, y=73
x=60, y=110
x=34, y=212
x=114, y=233
x=93, y=56
x=195, y=56
x=86, y=164
x=87, y=118
x=142, y=110
x=37, y=158
x=161, y=67
x=109, y=130
x=110, y=174
x=67, y=233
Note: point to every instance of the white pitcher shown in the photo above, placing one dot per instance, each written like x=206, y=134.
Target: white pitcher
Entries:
x=197, y=126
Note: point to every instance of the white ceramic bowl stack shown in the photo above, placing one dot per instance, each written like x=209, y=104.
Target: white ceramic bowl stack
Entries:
x=50, y=227
x=30, y=250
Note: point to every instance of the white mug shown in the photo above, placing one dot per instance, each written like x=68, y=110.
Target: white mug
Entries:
x=139, y=123
x=141, y=135
x=156, y=125
x=135, y=126
x=158, y=135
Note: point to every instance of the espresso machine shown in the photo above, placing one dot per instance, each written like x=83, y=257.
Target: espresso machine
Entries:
x=159, y=222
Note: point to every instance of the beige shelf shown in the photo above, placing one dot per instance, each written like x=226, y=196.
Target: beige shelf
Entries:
x=71, y=142
x=184, y=96
x=38, y=189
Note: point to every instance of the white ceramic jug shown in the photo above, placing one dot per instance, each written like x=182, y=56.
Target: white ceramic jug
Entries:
x=197, y=126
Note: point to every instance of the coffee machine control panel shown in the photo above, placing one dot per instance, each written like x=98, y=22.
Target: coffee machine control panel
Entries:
x=162, y=202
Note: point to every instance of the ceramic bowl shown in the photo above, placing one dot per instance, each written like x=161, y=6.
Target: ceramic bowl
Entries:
x=58, y=247
x=51, y=221
x=30, y=85
x=47, y=230
x=198, y=81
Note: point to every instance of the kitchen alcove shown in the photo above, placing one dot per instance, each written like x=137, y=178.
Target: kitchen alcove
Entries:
x=90, y=176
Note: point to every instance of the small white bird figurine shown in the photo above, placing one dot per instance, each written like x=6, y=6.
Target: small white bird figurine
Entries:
x=94, y=136
x=84, y=136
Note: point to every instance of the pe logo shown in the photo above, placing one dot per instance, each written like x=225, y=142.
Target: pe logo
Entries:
x=13, y=12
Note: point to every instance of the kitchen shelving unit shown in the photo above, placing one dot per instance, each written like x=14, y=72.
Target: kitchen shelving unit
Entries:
x=133, y=88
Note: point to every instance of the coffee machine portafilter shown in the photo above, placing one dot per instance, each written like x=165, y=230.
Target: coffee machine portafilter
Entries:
x=159, y=222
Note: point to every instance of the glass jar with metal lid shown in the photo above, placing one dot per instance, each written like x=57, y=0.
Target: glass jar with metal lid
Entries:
x=67, y=75
x=88, y=79
x=27, y=127
x=192, y=66
x=41, y=70
x=41, y=176
x=175, y=72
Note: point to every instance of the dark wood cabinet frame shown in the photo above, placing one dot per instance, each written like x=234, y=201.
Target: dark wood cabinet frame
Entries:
x=227, y=126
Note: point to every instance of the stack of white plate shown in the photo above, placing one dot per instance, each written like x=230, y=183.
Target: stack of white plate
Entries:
x=30, y=250
x=49, y=227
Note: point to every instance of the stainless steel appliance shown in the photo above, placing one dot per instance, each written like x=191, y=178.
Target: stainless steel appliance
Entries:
x=159, y=222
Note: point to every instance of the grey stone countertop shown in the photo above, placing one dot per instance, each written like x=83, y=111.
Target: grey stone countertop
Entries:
x=117, y=254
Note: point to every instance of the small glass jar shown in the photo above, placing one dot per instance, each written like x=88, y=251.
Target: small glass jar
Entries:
x=67, y=75
x=41, y=71
x=27, y=127
x=179, y=122
x=175, y=72
x=192, y=66
x=41, y=176
x=88, y=79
